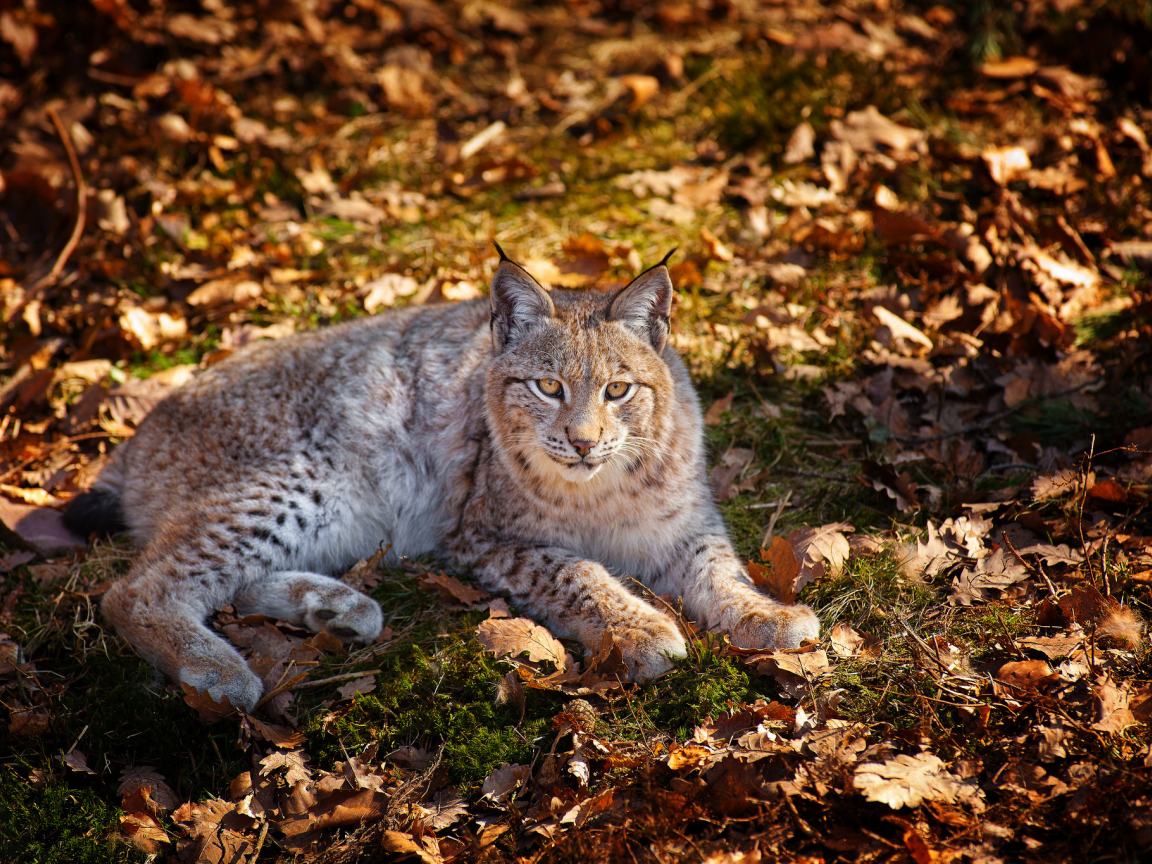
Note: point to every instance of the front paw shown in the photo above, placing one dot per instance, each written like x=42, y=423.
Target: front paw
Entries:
x=776, y=627
x=651, y=649
x=347, y=614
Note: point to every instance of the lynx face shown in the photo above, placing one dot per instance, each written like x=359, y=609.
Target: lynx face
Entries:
x=578, y=391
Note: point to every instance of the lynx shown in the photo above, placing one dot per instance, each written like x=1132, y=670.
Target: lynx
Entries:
x=550, y=444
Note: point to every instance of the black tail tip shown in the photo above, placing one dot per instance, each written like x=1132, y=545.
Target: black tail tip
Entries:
x=95, y=512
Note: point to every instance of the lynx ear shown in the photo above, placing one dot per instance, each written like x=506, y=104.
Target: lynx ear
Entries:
x=646, y=305
x=518, y=301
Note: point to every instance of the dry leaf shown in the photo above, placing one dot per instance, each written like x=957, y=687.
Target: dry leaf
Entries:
x=77, y=761
x=1006, y=164
x=779, y=579
x=145, y=776
x=207, y=709
x=845, y=640
x=1113, y=713
x=454, y=591
x=507, y=637
x=357, y=685
x=909, y=781
x=505, y=780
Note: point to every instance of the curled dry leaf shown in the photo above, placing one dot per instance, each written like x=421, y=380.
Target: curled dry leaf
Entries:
x=206, y=709
x=847, y=642
x=509, y=637
x=1113, y=713
x=453, y=591
x=1006, y=164
x=77, y=761
x=909, y=781
x=145, y=776
x=501, y=783
x=1015, y=679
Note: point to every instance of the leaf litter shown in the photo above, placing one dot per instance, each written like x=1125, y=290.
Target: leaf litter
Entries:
x=973, y=339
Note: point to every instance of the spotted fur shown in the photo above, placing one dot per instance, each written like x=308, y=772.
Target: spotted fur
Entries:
x=429, y=429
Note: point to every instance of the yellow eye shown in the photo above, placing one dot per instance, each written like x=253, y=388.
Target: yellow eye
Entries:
x=616, y=389
x=549, y=386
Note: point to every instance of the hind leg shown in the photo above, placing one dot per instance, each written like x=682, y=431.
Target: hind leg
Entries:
x=318, y=602
x=171, y=635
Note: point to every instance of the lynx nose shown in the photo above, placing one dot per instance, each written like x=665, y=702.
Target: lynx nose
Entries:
x=583, y=445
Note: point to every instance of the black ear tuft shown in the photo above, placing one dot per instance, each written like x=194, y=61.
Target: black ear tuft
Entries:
x=664, y=260
x=504, y=257
x=645, y=306
x=518, y=303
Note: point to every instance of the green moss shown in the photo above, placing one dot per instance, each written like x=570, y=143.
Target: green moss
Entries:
x=58, y=824
x=443, y=696
x=705, y=684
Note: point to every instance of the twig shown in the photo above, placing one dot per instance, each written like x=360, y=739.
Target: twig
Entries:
x=348, y=676
x=276, y=691
x=259, y=843
x=988, y=421
x=1034, y=569
x=81, y=206
x=1080, y=516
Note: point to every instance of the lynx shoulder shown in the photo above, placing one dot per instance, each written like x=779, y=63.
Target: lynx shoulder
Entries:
x=549, y=443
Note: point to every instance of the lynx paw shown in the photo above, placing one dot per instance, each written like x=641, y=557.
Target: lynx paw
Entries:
x=233, y=680
x=778, y=627
x=651, y=650
x=345, y=613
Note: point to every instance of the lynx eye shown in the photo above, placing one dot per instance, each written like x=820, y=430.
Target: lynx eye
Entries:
x=617, y=389
x=549, y=386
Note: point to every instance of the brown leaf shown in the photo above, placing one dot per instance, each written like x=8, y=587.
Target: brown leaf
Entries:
x=1010, y=67
x=404, y=90
x=279, y=736
x=1006, y=164
x=513, y=636
x=847, y=642
x=816, y=547
x=643, y=88
x=505, y=780
x=77, y=761
x=780, y=579
x=1022, y=676
x=453, y=591
x=145, y=776
x=715, y=412
x=207, y=709
x=357, y=685
x=1113, y=713
x=144, y=832
x=909, y=781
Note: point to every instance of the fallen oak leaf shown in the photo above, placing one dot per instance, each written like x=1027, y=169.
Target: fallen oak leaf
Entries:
x=138, y=822
x=357, y=685
x=77, y=761
x=453, y=591
x=504, y=781
x=1113, y=713
x=207, y=709
x=779, y=579
x=145, y=776
x=1016, y=678
x=909, y=781
x=510, y=637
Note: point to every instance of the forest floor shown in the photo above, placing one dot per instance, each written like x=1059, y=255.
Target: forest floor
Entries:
x=913, y=285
